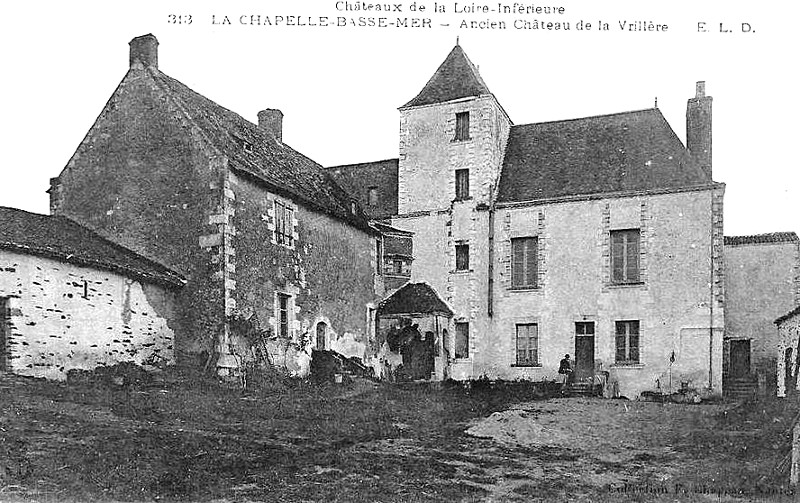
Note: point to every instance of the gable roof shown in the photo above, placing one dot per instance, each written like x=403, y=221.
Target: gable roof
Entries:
x=788, y=315
x=772, y=237
x=414, y=298
x=630, y=151
x=256, y=153
x=455, y=78
x=59, y=238
x=358, y=179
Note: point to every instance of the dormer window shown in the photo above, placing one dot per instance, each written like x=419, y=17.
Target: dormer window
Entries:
x=462, y=127
x=353, y=207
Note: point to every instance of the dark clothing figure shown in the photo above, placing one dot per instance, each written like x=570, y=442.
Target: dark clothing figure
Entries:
x=565, y=368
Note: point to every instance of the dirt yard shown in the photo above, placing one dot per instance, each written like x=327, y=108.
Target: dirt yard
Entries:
x=189, y=440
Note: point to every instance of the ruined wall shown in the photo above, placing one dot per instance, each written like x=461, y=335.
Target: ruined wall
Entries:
x=786, y=354
x=762, y=282
x=328, y=274
x=671, y=302
x=69, y=317
x=143, y=178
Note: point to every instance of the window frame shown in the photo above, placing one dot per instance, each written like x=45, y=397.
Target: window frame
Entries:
x=461, y=329
x=624, y=335
x=283, y=322
x=462, y=184
x=527, y=362
x=462, y=127
x=284, y=223
x=629, y=274
x=462, y=257
x=529, y=279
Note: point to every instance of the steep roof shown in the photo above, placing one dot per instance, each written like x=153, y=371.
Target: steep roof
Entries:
x=62, y=239
x=788, y=315
x=414, y=298
x=359, y=178
x=258, y=154
x=455, y=78
x=630, y=151
x=772, y=237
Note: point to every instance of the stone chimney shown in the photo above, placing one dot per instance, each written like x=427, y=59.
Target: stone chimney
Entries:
x=56, y=195
x=271, y=120
x=144, y=52
x=698, y=128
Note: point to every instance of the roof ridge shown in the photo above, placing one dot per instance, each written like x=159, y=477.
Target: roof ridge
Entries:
x=599, y=116
x=366, y=163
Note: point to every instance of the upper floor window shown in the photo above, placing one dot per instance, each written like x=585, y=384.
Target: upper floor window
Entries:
x=283, y=315
x=462, y=257
x=284, y=223
x=378, y=255
x=462, y=184
x=625, y=256
x=627, y=342
x=524, y=263
x=462, y=126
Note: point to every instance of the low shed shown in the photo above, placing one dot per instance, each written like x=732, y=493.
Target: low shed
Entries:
x=70, y=299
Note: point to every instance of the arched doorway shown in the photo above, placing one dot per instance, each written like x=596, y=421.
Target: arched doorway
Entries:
x=322, y=330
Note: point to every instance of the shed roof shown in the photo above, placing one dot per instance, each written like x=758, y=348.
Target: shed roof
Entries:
x=623, y=152
x=414, y=298
x=61, y=239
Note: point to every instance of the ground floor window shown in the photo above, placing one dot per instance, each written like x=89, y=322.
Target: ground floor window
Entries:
x=283, y=315
x=528, y=344
x=462, y=340
x=627, y=342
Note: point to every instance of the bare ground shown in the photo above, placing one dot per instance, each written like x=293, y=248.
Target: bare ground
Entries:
x=190, y=440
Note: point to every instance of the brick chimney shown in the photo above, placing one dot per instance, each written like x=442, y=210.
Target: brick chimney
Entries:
x=271, y=120
x=698, y=128
x=144, y=52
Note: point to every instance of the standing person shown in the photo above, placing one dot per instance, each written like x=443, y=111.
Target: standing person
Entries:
x=565, y=368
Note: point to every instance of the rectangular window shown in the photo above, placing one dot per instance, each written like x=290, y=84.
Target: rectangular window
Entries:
x=625, y=256
x=524, y=263
x=4, y=332
x=462, y=126
x=462, y=257
x=283, y=315
x=528, y=344
x=627, y=342
x=584, y=328
x=378, y=256
x=284, y=228
x=462, y=184
x=462, y=340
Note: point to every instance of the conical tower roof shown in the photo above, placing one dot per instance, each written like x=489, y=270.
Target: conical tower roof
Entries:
x=455, y=78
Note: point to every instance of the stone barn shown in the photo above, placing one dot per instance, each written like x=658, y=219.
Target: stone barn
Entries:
x=70, y=299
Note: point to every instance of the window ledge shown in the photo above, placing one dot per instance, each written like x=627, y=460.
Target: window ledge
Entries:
x=461, y=140
x=462, y=199
x=524, y=289
x=632, y=366
x=637, y=284
x=461, y=360
x=527, y=365
x=462, y=271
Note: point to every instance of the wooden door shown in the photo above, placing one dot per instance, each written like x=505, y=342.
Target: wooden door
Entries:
x=740, y=358
x=584, y=350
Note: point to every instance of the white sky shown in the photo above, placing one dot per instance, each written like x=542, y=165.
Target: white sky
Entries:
x=339, y=88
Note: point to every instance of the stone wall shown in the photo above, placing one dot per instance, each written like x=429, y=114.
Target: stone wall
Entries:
x=66, y=317
x=329, y=274
x=672, y=301
x=143, y=177
x=786, y=354
x=762, y=282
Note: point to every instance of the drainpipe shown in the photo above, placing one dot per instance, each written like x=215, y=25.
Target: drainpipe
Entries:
x=490, y=282
x=711, y=305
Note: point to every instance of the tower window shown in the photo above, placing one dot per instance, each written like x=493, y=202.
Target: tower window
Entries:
x=462, y=126
x=462, y=184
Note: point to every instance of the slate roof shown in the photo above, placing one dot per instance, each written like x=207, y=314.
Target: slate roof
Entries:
x=630, y=151
x=357, y=179
x=788, y=315
x=414, y=298
x=455, y=78
x=772, y=237
x=59, y=238
x=256, y=153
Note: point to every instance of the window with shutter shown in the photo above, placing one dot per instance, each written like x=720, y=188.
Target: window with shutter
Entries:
x=462, y=340
x=462, y=126
x=524, y=262
x=462, y=257
x=462, y=184
x=625, y=256
x=284, y=226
